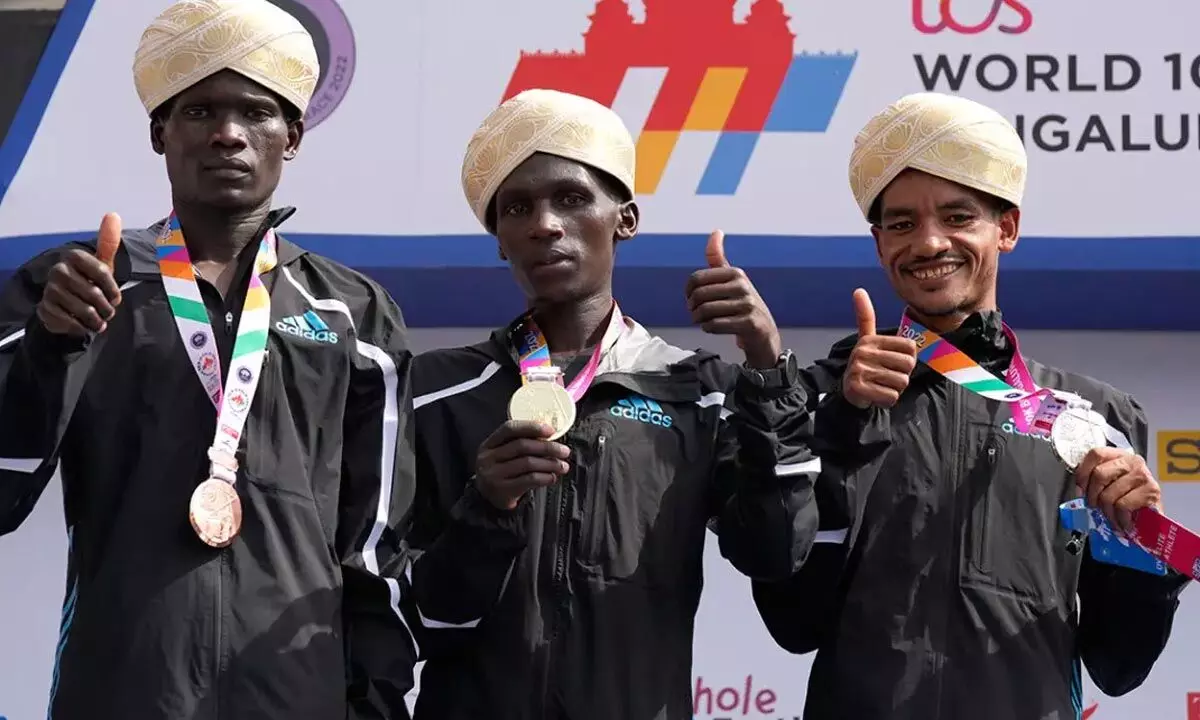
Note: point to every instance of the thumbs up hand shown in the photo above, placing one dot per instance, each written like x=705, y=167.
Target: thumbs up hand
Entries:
x=880, y=365
x=723, y=301
x=81, y=295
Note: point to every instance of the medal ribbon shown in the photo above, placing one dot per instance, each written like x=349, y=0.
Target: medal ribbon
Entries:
x=1168, y=541
x=1157, y=540
x=196, y=332
x=1034, y=408
x=533, y=352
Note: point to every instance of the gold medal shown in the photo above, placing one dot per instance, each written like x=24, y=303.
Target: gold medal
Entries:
x=215, y=512
x=543, y=402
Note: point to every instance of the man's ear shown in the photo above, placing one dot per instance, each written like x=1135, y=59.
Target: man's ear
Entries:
x=628, y=217
x=1010, y=230
x=295, y=135
x=156, y=135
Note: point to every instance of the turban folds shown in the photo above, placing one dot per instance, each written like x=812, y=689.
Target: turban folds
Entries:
x=946, y=136
x=545, y=121
x=194, y=39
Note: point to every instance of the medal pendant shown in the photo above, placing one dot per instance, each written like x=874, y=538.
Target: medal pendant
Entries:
x=1076, y=432
x=215, y=512
x=543, y=399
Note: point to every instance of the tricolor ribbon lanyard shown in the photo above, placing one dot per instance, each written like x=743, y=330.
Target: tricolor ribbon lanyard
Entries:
x=1161, y=540
x=1033, y=408
x=534, y=354
x=231, y=398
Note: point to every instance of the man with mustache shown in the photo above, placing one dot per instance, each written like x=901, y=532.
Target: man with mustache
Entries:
x=955, y=593
x=571, y=463
x=229, y=413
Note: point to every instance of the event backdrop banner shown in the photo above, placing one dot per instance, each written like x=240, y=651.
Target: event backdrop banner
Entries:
x=739, y=673
x=744, y=114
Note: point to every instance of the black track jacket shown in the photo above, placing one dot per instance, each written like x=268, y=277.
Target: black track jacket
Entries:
x=298, y=618
x=580, y=604
x=958, y=597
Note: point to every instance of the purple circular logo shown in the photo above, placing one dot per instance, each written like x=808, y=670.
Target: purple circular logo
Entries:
x=334, y=41
x=244, y=374
x=198, y=340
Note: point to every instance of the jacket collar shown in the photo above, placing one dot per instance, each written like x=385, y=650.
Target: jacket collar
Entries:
x=635, y=351
x=285, y=249
x=981, y=336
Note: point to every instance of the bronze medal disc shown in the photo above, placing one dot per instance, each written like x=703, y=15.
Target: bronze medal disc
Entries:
x=216, y=512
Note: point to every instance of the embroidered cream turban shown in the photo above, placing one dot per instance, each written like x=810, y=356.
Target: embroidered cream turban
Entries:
x=951, y=137
x=194, y=39
x=546, y=121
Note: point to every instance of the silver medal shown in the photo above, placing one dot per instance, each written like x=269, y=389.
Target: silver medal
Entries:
x=1075, y=433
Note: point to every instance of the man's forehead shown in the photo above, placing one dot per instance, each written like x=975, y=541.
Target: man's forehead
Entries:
x=543, y=168
x=229, y=82
x=913, y=190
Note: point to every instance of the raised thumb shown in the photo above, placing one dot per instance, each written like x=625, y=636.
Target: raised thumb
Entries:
x=864, y=313
x=714, y=252
x=109, y=239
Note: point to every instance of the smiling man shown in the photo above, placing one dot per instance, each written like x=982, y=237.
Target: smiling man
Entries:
x=955, y=595
x=229, y=414
x=571, y=463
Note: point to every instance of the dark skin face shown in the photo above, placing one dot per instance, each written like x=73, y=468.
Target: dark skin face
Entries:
x=225, y=140
x=558, y=222
x=940, y=244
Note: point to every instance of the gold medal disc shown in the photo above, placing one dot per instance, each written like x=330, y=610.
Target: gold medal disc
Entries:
x=543, y=402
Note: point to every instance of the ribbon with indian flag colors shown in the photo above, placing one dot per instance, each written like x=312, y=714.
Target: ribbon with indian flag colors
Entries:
x=1034, y=408
x=231, y=395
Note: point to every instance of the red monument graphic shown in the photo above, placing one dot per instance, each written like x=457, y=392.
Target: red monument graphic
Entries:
x=738, y=78
x=685, y=36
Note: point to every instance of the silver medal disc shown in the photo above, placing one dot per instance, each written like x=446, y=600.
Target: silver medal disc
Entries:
x=1075, y=433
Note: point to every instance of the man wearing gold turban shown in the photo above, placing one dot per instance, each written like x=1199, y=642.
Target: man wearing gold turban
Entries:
x=229, y=413
x=570, y=464
x=957, y=593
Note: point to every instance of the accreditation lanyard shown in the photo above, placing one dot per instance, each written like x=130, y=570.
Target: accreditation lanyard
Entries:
x=533, y=352
x=232, y=397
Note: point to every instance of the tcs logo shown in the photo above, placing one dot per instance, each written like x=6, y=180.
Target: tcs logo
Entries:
x=947, y=20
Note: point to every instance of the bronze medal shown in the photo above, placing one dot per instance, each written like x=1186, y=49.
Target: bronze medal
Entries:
x=216, y=512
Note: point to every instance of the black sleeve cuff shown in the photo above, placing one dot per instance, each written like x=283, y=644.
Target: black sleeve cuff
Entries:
x=506, y=528
x=841, y=426
x=1144, y=586
x=746, y=388
x=41, y=344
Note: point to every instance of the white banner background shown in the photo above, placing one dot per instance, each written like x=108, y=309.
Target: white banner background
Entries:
x=428, y=71
x=731, y=643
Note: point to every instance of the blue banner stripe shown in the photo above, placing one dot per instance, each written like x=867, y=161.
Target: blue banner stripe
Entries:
x=687, y=251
